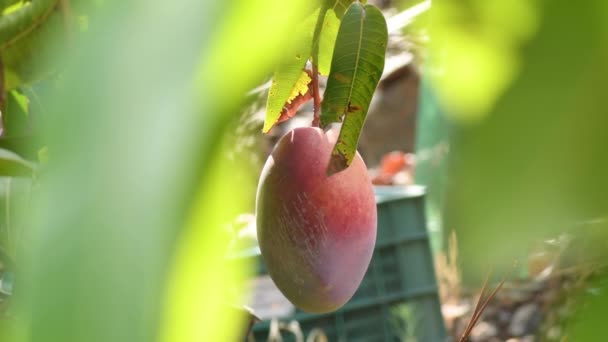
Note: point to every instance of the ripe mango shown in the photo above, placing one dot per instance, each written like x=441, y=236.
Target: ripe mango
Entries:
x=316, y=232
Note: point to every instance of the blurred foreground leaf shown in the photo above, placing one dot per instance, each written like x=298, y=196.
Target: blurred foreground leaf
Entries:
x=475, y=52
x=133, y=138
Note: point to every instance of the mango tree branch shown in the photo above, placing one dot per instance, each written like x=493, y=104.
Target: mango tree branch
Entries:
x=315, y=62
x=316, y=97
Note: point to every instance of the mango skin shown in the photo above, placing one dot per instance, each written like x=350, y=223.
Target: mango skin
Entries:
x=316, y=232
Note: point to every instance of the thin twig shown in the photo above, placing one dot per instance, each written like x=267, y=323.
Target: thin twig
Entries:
x=316, y=96
x=316, y=119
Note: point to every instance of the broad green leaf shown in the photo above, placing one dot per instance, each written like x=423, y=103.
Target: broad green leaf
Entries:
x=12, y=165
x=22, y=21
x=26, y=60
x=356, y=67
x=285, y=85
x=92, y=215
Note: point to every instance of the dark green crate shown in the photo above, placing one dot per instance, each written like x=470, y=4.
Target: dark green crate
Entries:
x=398, y=296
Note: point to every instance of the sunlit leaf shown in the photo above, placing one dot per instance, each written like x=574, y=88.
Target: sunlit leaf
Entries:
x=357, y=65
x=327, y=40
x=339, y=7
x=7, y=6
x=19, y=23
x=301, y=94
x=287, y=81
x=195, y=309
x=332, y=11
x=189, y=286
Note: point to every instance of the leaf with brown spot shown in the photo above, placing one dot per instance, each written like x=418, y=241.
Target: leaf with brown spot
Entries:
x=336, y=163
x=342, y=78
x=357, y=64
x=352, y=108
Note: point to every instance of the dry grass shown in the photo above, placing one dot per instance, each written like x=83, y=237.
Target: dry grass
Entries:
x=449, y=277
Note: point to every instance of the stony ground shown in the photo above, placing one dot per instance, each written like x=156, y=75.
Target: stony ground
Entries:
x=531, y=310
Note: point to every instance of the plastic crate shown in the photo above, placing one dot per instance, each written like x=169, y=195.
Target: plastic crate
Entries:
x=398, y=297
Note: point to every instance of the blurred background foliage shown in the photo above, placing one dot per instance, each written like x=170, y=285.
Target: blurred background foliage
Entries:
x=517, y=89
x=530, y=167
x=117, y=177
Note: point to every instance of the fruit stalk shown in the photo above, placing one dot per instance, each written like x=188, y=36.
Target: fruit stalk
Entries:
x=316, y=96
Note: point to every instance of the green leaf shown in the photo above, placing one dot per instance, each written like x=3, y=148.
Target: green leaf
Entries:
x=7, y=6
x=22, y=21
x=15, y=114
x=12, y=165
x=319, y=32
x=339, y=7
x=29, y=58
x=327, y=40
x=356, y=67
x=285, y=85
x=327, y=27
